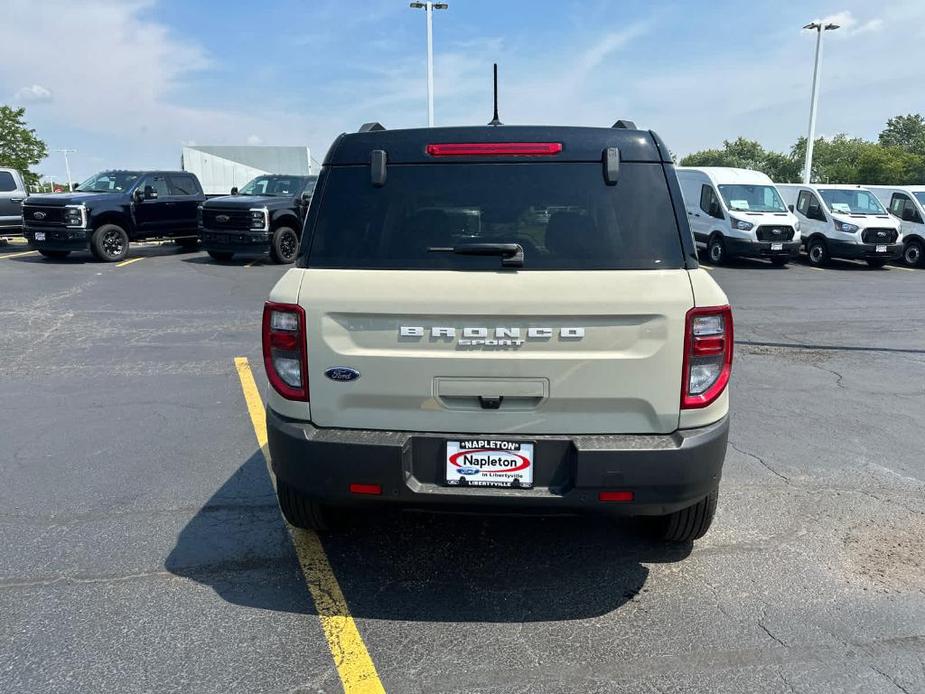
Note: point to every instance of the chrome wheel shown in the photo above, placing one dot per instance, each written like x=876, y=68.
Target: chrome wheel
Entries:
x=288, y=245
x=816, y=254
x=912, y=254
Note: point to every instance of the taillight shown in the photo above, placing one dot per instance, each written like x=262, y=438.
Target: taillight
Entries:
x=284, y=349
x=494, y=149
x=707, y=355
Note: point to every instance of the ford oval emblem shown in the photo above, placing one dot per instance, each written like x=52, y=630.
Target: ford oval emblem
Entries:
x=222, y=218
x=342, y=373
x=38, y=215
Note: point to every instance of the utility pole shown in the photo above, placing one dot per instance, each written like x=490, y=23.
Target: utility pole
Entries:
x=429, y=8
x=819, y=27
x=67, y=166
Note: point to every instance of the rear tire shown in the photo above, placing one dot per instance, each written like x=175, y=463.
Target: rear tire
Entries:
x=876, y=262
x=689, y=523
x=817, y=253
x=716, y=250
x=55, y=254
x=110, y=243
x=300, y=511
x=221, y=256
x=779, y=261
x=913, y=254
x=284, y=246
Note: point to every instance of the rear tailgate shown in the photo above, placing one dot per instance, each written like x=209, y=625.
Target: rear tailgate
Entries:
x=604, y=354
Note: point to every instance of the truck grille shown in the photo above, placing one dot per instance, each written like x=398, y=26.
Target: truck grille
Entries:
x=47, y=216
x=234, y=220
x=879, y=235
x=774, y=233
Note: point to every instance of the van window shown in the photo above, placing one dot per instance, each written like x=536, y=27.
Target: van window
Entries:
x=851, y=201
x=709, y=203
x=808, y=205
x=901, y=206
x=752, y=198
x=563, y=215
x=6, y=182
x=159, y=183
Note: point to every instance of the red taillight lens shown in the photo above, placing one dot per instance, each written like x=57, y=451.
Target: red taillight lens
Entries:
x=371, y=489
x=707, y=355
x=621, y=495
x=285, y=353
x=494, y=149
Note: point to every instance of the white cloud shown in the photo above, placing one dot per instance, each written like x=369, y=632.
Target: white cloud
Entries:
x=33, y=95
x=850, y=26
x=254, y=140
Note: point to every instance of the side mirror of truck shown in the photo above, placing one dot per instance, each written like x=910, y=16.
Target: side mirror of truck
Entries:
x=150, y=193
x=234, y=190
x=138, y=195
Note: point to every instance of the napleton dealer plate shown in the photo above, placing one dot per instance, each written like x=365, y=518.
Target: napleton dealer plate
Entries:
x=489, y=463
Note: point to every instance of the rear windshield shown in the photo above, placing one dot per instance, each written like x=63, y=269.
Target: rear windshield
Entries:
x=563, y=215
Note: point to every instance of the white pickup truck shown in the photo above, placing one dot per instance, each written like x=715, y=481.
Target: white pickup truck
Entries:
x=12, y=193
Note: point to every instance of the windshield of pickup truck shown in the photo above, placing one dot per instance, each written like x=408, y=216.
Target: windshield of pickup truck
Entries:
x=752, y=198
x=275, y=185
x=847, y=201
x=109, y=182
x=563, y=215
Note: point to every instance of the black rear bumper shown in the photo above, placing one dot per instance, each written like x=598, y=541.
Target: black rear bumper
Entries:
x=235, y=241
x=665, y=472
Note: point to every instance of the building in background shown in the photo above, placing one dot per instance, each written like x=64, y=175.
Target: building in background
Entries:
x=221, y=168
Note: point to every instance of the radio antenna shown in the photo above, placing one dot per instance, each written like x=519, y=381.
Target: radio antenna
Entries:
x=495, y=120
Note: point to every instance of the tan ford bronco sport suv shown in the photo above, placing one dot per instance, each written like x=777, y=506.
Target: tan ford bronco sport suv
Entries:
x=499, y=318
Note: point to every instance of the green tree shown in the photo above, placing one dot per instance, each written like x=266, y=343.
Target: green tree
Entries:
x=20, y=148
x=844, y=159
x=905, y=132
x=747, y=154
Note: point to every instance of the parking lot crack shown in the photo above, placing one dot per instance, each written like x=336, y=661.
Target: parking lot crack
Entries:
x=891, y=679
x=761, y=461
x=768, y=632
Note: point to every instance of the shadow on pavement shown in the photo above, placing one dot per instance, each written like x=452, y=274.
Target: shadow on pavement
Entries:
x=417, y=566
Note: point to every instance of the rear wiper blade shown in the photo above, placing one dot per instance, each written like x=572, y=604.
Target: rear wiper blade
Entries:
x=512, y=254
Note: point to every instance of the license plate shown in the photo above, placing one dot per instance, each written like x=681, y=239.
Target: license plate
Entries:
x=881, y=249
x=40, y=236
x=777, y=246
x=489, y=463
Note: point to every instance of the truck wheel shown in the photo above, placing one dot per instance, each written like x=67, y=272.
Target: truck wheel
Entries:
x=876, y=262
x=817, y=253
x=221, y=256
x=689, y=523
x=716, y=250
x=284, y=246
x=779, y=260
x=301, y=512
x=110, y=243
x=912, y=254
x=55, y=254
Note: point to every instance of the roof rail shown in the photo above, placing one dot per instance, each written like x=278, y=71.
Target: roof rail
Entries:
x=369, y=127
x=624, y=124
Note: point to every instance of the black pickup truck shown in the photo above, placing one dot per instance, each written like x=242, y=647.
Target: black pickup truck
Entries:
x=265, y=216
x=112, y=208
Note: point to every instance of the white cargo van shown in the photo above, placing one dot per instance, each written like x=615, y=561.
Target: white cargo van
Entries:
x=907, y=204
x=843, y=221
x=738, y=212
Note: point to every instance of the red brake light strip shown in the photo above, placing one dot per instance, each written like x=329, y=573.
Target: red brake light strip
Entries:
x=494, y=149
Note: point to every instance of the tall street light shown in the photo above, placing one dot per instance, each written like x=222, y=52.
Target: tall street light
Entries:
x=429, y=8
x=67, y=166
x=819, y=28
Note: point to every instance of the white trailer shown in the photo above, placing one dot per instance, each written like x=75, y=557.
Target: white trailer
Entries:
x=221, y=168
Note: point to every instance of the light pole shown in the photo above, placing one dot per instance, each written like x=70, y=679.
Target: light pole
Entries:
x=429, y=8
x=819, y=27
x=67, y=166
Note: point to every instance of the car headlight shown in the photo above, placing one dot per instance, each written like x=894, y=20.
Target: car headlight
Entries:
x=74, y=216
x=258, y=219
x=845, y=227
x=740, y=224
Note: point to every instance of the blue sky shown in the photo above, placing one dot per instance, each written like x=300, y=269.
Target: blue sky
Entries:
x=127, y=82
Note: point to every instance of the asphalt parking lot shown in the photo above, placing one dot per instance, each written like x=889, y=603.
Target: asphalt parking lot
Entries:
x=144, y=550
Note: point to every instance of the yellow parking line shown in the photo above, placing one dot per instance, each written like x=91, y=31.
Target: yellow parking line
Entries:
x=18, y=255
x=253, y=262
x=354, y=665
x=129, y=261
